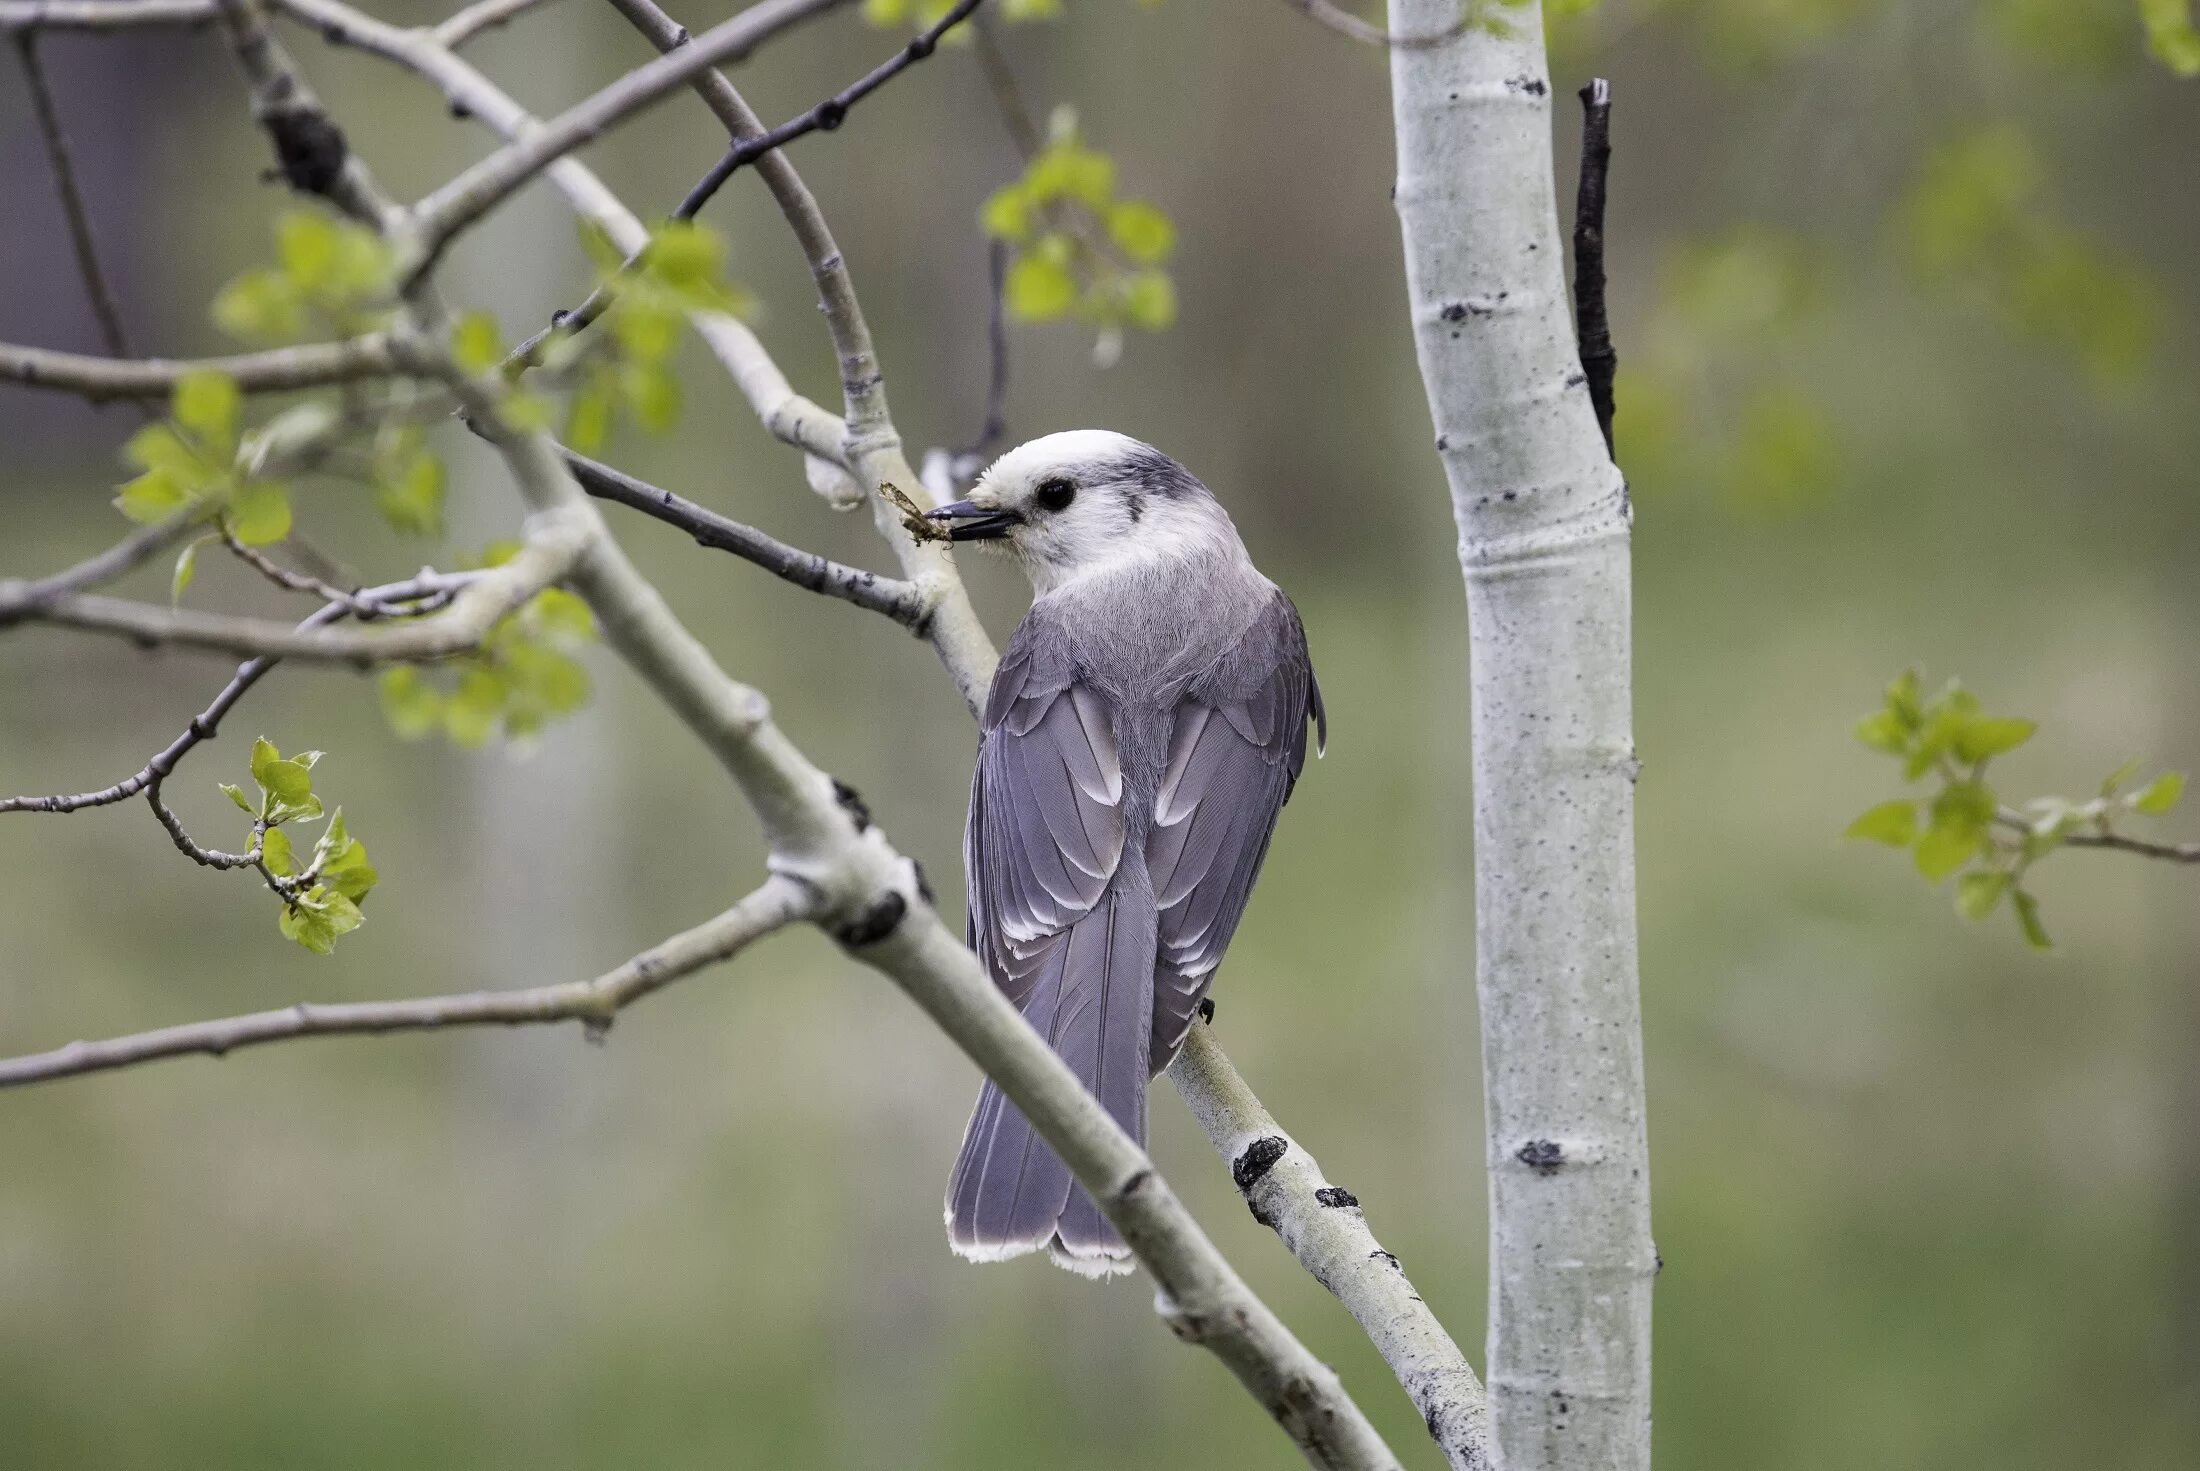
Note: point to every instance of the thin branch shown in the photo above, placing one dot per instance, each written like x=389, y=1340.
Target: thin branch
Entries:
x=1326, y=1229
x=311, y=154
x=2016, y=821
x=1345, y=23
x=479, y=189
x=20, y=600
x=63, y=168
x=351, y=600
x=1599, y=360
x=1000, y=80
x=750, y=143
x=424, y=593
x=20, y=16
x=476, y=18
x=554, y=542
x=779, y=903
x=277, y=370
x=898, y=600
x=993, y=428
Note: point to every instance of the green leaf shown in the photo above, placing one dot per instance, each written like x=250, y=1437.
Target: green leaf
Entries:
x=153, y=496
x=410, y=498
x=1978, y=893
x=2028, y=920
x=1006, y=214
x=1992, y=735
x=1038, y=290
x=412, y=705
x=647, y=330
x=1149, y=301
x=306, y=244
x=187, y=566
x=560, y=614
x=886, y=13
x=1965, y=806
x=236, y=795
x=2114, y=781
x=1882, y=730
x=1892, y=823
x=287, y=781
x=685, y=255
x=588, y=415
x=1141, y=231
x=264, y=757
x=477, y=344
x=654, y=394
x=1904, y=701
x=2159, y=795
x=208, y=404
x=260, y=305
x=1942, y=851
x=470, y=714
x=259, y=513
x=275, y=852
x=2171, y=35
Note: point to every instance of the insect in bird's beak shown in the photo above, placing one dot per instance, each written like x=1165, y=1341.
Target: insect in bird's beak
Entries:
x=969, y=521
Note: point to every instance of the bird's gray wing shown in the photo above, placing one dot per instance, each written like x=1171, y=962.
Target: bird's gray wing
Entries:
x=1046, y=812
x=1068, y=946
x=1236, y=748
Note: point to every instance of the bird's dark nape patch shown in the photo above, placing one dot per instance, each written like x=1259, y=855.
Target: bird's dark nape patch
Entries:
x=1153, y=472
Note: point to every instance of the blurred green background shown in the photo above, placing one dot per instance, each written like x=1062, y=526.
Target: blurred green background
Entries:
x=1905, y=294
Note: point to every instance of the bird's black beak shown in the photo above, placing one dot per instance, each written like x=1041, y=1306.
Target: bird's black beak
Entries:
x=968, y=521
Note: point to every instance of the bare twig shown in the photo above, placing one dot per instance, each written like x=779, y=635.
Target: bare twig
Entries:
x=476, y=18
x=19, y=16
x=993, y=428
x=63, y=168
x=422, y=594
x=1591, y=324
x=1345, y=23
x=1000, y=80
x=779, y=903
x=1326, y=1229
x=20, y=600
x=277, y=370
x=553, y=543
x=2016, y=821
x=898, y=600
x=351, y=600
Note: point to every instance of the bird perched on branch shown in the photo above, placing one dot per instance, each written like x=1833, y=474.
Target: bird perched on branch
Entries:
x=1145, y=727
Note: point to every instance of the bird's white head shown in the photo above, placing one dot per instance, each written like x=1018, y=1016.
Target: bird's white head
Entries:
x=1088, y=503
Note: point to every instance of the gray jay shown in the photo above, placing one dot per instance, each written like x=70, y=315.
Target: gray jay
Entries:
x=1144, y=729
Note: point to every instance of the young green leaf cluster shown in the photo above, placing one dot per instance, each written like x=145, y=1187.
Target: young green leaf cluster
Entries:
x=894, y=14
x=522, y=677
x=329, y=275
x=196, y=464
x=1079, y=249
x=628, y=369
x=321, y=891
x=1963, y=827
x=2171, y=35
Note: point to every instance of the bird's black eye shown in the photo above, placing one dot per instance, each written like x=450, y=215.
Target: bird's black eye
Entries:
x=1056, y=494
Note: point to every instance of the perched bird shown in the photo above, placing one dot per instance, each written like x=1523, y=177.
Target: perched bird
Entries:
x=1145, y=727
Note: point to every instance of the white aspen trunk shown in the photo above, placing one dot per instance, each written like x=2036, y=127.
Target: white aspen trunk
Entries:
x=1543, y=540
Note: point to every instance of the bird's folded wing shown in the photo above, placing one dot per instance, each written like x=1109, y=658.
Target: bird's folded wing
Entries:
x=1236, y=749
x=1046, y=816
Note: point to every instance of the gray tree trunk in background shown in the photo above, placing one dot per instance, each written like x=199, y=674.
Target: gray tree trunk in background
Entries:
x=1543, y=540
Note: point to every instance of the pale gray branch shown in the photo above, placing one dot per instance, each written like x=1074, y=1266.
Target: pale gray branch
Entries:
x=1326, y=1229
x=476, y=18
x=101, y=15
x=276, y=370
x=552, y=543
x=20, y=599
x=593, y=1003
